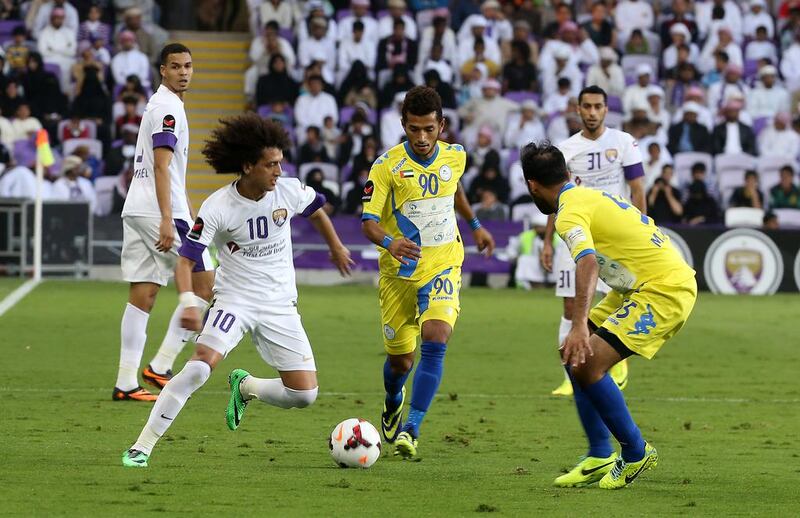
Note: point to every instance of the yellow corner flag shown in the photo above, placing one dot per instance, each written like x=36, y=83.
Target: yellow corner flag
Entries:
x=43, y=152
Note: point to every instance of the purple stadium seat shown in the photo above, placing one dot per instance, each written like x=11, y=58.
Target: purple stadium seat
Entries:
x=8, y=26
x=750, y=68
x=521, y=96
x=345, y=114
x=53, y=69
x=614, y=104
x=287, y=34
x=342, y=13
x=345, y=172
x=264, y=111
x=759, y=124
x=25, y=152
x=289, y=169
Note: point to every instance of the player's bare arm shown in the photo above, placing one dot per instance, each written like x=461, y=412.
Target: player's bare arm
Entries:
x=190, y=317
x=162, y=156
x=546, y=256
x=340, y=255
x=576, y=348
x=482, y=237
x=638, y=196
x=401, y=249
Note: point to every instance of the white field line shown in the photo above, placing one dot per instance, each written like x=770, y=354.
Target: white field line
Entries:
x=720, y=400
x=18, y=294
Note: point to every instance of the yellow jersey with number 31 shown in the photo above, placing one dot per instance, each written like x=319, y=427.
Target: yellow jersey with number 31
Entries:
x=415, y=198
x=630, y=249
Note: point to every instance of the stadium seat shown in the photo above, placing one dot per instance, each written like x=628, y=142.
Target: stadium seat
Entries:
x=744, y=217
x=94, y=145
x=346, y=188
x=631, y=61
x=528, y=212
x=788, y=218
x=614, y=120
x=521, y=96
x=516, y=181
x=759, y=124
x=729, y=170
x=329, y=171
x=769, y=167
x=614, y=104
x=685, y=161
x=346, y=114
x=104, y=189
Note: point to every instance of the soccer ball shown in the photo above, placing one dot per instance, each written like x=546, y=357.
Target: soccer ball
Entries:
x=355, y=443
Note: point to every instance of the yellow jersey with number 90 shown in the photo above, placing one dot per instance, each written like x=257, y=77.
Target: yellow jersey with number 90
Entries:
x=415, y=198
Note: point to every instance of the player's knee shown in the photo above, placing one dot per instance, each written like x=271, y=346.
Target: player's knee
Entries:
x=400, y=364
x=586, y=374
x=302, y=398
x=207, y=355
x=436, y=331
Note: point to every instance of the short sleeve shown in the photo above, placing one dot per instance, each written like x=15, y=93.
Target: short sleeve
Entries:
x=573, y=227
x=201, y=234
x=165, y=126
x=631, y=159
x=376, y=190
x=302, y=199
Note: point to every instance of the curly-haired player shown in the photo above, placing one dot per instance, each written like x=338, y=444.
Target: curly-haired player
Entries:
x=249, y=221
x=410, y=204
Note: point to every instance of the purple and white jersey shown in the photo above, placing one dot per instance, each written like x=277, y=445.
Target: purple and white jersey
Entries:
x=164, y=124
x=605, y=164
x=254, y=241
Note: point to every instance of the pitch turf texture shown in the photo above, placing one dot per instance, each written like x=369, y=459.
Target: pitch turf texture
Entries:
x=720, y=402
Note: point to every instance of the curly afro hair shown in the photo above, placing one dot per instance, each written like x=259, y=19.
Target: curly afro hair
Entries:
x=240, y=140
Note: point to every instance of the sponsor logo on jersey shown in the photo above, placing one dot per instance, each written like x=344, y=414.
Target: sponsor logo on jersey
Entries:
x=369, y=188
x=197, y=229
x=407, y=174
x=232, y=247
x=611, y=155
x=743, y=261
x=168, y=124
x=399, y=164
x=445, y=173
x=279, y=216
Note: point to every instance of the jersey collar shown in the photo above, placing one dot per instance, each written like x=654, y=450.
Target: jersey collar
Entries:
x=420, y=161
x=567, y=186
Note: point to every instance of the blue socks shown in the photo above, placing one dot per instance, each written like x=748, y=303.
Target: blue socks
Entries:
x=610, y=405
x=393, y=383
x=426, y=383
x=596, y=431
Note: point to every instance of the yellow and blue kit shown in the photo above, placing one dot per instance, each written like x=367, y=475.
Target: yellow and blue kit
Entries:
x=415, y=198
x=654, y=290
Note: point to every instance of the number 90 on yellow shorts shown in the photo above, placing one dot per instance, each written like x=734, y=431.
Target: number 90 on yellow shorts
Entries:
x=407, y=304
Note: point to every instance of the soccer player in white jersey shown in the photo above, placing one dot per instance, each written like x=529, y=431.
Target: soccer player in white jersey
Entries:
x=156, y=218
x=255, y=288
x=605, y=159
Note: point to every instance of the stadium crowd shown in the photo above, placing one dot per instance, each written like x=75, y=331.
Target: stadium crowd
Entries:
x=711, y=89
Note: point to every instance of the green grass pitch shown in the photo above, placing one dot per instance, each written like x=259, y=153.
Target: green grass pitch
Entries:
x=721, y=403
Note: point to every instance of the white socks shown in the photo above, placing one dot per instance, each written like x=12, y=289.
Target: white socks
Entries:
x=174, y=340
x=563, y=330
x=273, y=392
x=171, y=400
x=133, y=336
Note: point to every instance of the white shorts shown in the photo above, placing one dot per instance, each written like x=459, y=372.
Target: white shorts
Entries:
x=140, y=260
x=564, y=272
x=277, y=334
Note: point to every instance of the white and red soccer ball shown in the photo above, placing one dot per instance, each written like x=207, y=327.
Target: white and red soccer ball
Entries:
x=355, y=443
